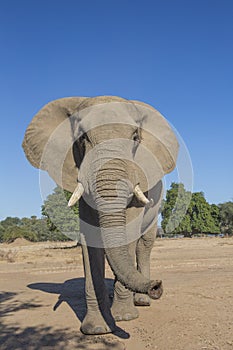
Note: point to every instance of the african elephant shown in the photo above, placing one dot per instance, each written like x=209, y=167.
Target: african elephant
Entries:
x=111, y=153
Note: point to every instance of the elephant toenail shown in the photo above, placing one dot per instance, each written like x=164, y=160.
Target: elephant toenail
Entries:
x=118, y=318
x=99, y=330
x=128, y=317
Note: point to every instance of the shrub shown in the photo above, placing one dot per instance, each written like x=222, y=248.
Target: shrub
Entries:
x=13, y=232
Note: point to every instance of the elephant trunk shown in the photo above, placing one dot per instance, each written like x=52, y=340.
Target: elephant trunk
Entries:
x=129, y=276
x=111, y=205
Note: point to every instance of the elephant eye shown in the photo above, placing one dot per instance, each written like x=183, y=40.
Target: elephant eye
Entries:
x=84, y=137
x=136, y=137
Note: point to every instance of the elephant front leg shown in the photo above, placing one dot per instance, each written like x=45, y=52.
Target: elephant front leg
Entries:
x=98, y=319
x=143, y=252
x=123, y=308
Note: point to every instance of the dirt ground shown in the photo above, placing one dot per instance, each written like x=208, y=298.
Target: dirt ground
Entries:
x=42, y=298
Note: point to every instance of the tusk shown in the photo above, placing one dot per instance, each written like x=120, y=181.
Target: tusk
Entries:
x=77, y=194
x=141, y=197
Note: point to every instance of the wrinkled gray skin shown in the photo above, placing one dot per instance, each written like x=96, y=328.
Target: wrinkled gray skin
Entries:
x=108, y=178
x=99, y=318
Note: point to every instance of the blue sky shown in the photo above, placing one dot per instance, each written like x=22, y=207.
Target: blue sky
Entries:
x=176, y=55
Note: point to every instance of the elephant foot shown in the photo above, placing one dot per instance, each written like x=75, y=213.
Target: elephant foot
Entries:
x=124, y=310
x=95, y=324
x=141, y=299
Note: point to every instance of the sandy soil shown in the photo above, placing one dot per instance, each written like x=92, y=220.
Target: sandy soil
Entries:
x=42, y=298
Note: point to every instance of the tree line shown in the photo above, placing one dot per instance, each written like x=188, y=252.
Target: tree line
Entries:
x=189, y=213
x=58, y=222
x=182, y=212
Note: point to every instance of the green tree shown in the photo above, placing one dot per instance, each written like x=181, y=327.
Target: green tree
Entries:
x=10, y=221
x=174, y=218
x=2, y=230
x=38, y=226
x=200, y=212
x=13, y=232
x=215, y=213
x=188, y=213
x=62, y=221
x=30, y=228
x=226, y=217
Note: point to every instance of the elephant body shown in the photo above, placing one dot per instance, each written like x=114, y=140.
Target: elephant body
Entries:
x=112, y=154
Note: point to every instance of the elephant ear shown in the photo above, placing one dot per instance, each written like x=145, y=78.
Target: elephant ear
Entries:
x=44, y=144
x=158, y=143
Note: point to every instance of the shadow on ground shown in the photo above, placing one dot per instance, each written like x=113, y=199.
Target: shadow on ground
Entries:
x=14, y=305
x=37, y=338
x=72, y=292
x=41, y=337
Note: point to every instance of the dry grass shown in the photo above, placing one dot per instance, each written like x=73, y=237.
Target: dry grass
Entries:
x=8, y=256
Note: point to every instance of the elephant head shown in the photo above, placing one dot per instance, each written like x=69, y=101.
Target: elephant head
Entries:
x=110, y=151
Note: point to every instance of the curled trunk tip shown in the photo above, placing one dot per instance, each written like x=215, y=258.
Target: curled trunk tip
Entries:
x=155, y=290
